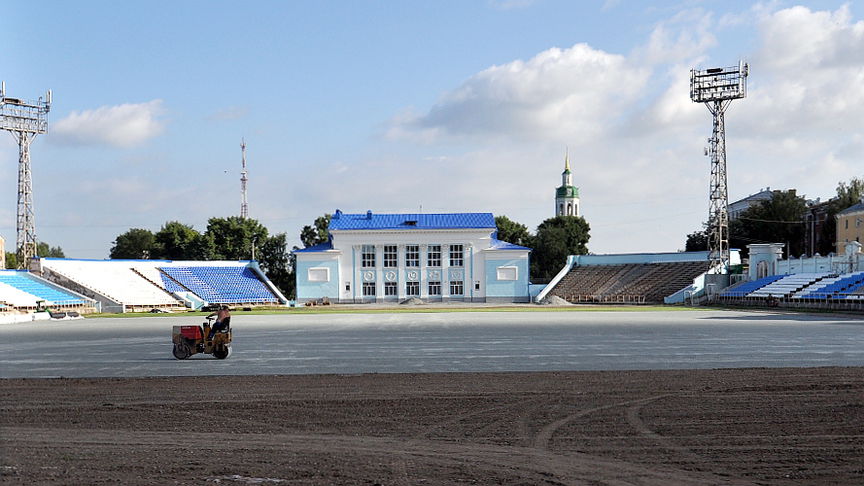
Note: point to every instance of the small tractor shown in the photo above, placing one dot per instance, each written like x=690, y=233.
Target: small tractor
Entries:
x=189, y=340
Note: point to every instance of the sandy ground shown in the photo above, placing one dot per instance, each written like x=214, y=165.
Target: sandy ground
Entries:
x=750, y=426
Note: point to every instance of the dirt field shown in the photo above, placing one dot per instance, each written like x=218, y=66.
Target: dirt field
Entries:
x=759, y=426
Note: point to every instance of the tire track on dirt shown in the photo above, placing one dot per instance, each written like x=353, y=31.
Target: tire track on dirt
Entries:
x=456, y=420
x=634, y=419
x=541, y=440
x=531, y=466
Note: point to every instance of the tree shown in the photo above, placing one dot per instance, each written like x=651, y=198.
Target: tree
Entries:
x=135, y=243
x=512, y=232
x=847, y=195
x=234, y=236
x=176, y=241
x=317, y=233
x=555, y=240
x=276, y=263
x=202, y=248
x=697, y=241
x=11, y=260
x=45, y=250
x=779, y=219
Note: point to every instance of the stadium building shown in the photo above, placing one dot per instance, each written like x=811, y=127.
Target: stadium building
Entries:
x=393, y=257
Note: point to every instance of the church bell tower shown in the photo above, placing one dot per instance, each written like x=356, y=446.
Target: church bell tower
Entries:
x=567, y=196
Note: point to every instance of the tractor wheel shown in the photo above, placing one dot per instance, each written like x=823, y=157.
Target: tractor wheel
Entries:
x=181, y=351
x=221, y=352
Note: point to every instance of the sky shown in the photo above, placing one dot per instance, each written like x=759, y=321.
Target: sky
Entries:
x=404, y=106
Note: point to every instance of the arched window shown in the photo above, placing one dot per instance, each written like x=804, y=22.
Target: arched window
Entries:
x=569, y=209
x=762, y=269
x=561, y=210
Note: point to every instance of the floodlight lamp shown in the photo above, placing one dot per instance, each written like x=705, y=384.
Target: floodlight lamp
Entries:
x=719, y=84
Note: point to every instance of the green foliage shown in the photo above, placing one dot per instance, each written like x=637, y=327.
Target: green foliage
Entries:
x=275, y=261
x=779, y=219
x=317, y=233
x=202, y=248
x=175, y=241
x=697, y=241
x=555, y=240
x=137, y=243
x=45, y=250
x=234, y=236
x=512, y=232
x=848, y=194
x=11, y=260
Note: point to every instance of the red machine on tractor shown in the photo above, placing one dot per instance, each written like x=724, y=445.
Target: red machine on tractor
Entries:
x=189, y=340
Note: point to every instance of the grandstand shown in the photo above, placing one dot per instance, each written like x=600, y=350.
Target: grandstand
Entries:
x=145, y=285
x=22, y=291
x=799, y=289
x=631, y=278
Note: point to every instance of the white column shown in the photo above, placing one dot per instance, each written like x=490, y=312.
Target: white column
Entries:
x=424, y=291
x=445, y=271
x=379, y=272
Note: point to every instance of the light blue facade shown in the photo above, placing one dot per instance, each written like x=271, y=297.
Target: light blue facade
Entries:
x=314, y=290
x=393, y=257
x=506, y=289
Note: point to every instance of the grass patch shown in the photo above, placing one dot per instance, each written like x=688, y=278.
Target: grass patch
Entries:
x=419, y=309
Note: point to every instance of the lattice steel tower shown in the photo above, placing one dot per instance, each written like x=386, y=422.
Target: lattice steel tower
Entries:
x=717, y=87
x=244, y=204
x=25, y=120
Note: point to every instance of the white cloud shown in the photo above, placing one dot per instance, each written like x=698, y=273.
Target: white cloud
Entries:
x=123, y=125
x=635, y=136
x=684, y=37
x=556, y=94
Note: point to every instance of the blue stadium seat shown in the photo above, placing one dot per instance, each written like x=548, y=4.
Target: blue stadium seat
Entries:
x=218, y=284
x=24, y=282
x=747, y=287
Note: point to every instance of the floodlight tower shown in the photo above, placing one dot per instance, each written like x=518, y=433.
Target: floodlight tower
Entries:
x=717, y=87
x=244, y=205
x=25, y=120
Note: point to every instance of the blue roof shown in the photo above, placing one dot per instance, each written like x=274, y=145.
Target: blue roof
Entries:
x=852, y=209
x=372, y=221
x=503, y=245
x=319, y=247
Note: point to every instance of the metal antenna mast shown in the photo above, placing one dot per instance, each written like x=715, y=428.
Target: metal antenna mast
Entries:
x=25, y=120
x=244, y=204
x=717, y=87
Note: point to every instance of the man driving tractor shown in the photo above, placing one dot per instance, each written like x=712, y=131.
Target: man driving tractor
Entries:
x=223, y=318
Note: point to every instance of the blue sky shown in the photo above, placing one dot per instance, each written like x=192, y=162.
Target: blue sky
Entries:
x=449, y=105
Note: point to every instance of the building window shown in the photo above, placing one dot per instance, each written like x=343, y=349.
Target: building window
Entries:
x=390, y=256
x=434, y=288
x=412, y=255
x=368, y=289
x=507, y=273
x=390, y=289
x=457, y=255
x=433, y=256
x=367, y=256
x=457, y=287
x=412, y=288
x=318, y=274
